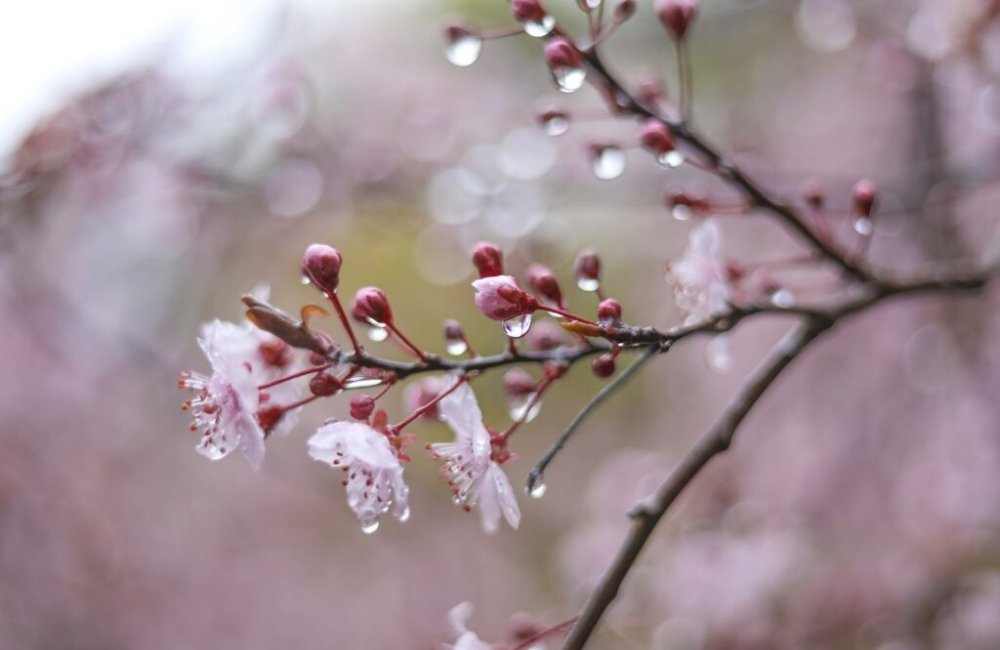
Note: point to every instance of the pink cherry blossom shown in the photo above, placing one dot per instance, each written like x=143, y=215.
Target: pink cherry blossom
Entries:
x=373, y=471
x=499, y=297
x=470, y=463
x=700, y=277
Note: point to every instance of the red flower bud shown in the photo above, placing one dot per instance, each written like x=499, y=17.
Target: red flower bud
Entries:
x=321, y=264
x=863, y=197
x=560, y=53
x=527, y=10
x=609, y=309
x=544, y=282
x=655, y=137
x=500, y=298
x=362, y=406
x=518, y=383
x=371, y=306
x=488, y=259
x=588, y=270
x=676, y=15
x=624, y=10
x=324, y=385
x=603, y=366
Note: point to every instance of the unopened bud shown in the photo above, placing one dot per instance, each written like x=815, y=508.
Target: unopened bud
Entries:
x=655, y=137
x=650, y=91
x=603, y=366
x=561, y=54
x=545, y=284
x=362, y=406
x=518, y=383
x=488, y=259
x=609, y=310
x=527, y=10
x=324, y=385
x=588, y=270
x=676, y=15
x=624, y=10
x=371, y=306
x=863, y=197
x=500, y=298
x=321, y=265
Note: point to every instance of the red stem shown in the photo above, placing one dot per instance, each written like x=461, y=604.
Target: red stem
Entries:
x=295, y=375
x=566, y=314
x=426, y=407
x=406, y=342
x=343, y=320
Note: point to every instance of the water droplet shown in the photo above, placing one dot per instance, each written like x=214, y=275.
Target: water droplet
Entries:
x=539, y=28
x=520, y=411
x=681, y=212
x=305, y=280
x=569, y=79
x=863, y=226
x=369, y=526
x=672, y=158
x=515, y=328
x=363, y=382
x=378, y=334
x=593, y=4
x=717, y=353
x=588, y=284
x=538, y=488
x=555, y=125
x=608, y=163
x=783, y=298
x=464, y=50
x=457, y=348
x=404, y=515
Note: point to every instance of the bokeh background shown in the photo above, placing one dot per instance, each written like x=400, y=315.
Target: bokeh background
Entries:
x=155, y=164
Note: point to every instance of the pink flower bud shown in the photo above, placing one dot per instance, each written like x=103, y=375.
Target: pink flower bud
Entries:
x=603, y=366
x=561, y=54
x=500, y=298
x=676, y=15
x=544, y=282
x=454, y=32
x=324, y=385
x=321, y=264
x=588, y=270
x=527, y=10
x=624, y=10
x=362, y=406
x=863, y=197
x=518, y=383
x=488, y=259
x=371, y=306
x=609, y=309
x=655, y=137
x=453, y=330
x=650, y=91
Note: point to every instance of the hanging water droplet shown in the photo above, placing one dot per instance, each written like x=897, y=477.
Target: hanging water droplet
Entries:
x=783, y=298
x=539, y=28
x=464, y=50
x=517, y=327
x=457, y=347
x=363, y=382
x=681, y=212
x=522, y=409
x=538, y=488
x=378, y=334
x=305, y=280
x=672, y=158
x=588, y=284
x=593, y=4
x=369, y=526
x=404, y=515
x=608, y=162
x=555, y=125
x=863, y=226
x=717, y=353
x=569, y=78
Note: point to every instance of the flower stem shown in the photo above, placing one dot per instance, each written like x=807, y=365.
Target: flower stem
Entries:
x=426, y=407
x=343, y=320
x=406, y=342
x=294, y=375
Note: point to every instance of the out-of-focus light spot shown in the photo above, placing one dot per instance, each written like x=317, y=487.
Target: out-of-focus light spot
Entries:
x=454, y=196
x=516, y=210
x=826, y=25
x=427, y=135
x=927, y=34
x=439, y=258
x=293, y=187
x=526, y=154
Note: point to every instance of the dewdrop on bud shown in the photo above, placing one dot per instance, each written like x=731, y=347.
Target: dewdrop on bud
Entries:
x=533, y=18
x=545, y=284
x=588, y=271
x=676, y=16
x=609, y=310
x=371, y=306
x=624, y=10
x=607, y=161
x=500, y=298
x=464, y=44
x=488, y=259
x=454, y=338
x=566, y=64
x=656, y=138
x=863, y=198
x=554, y=121
x=520, y=388
x=603, y=366
x=321, y=266
x=362, y=407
